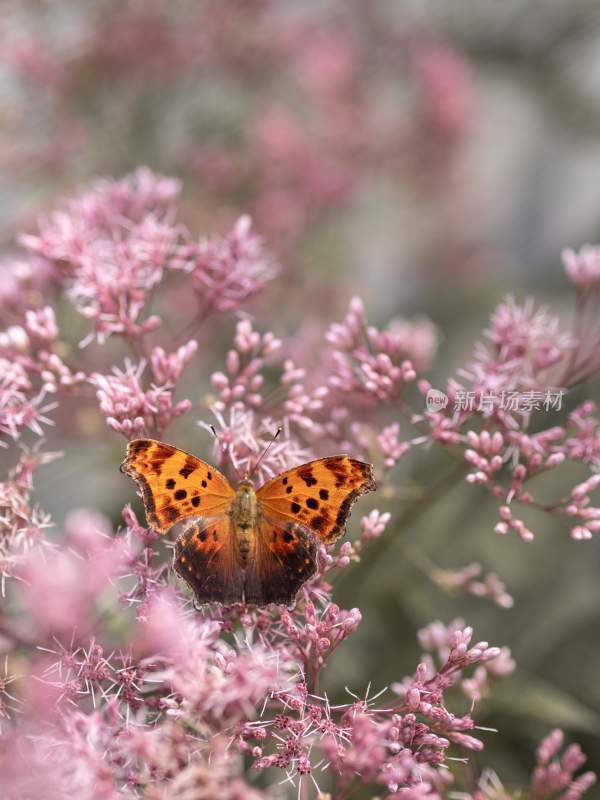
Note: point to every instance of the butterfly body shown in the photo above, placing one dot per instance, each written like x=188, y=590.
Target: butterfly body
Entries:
x=245, y=545
x=244, y=505
x=244, y=516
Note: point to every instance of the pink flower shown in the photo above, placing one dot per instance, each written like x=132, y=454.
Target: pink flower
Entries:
x=447, y=90
x=227, y=271
x=583, y=268
x=522, y=344
x=242, y=382
x=374, y=524
x=241, y=440
x=553, y=774
x=71, y=582
x=471, y=580
x=134, y=411
x=113, y=243
x=368, y=363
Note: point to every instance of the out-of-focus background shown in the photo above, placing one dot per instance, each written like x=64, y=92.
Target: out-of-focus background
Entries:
x=429, y=157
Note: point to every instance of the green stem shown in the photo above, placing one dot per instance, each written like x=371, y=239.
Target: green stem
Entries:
x=377, y=547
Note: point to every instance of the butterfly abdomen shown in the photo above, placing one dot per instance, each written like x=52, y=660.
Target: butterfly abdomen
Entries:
x=244, y=509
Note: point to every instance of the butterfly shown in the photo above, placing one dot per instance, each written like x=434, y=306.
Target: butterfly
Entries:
x=243, y=545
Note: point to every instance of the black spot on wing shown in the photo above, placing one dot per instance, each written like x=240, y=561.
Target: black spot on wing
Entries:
x=307, y=476
x=190, y=465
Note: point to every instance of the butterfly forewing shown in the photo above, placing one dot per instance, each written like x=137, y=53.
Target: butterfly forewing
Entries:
x=318, y=495
x=175, y=484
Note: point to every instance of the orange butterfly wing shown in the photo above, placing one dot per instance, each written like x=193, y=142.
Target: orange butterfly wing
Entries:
x=318, y=495
x=207, y=559
x=175, y=484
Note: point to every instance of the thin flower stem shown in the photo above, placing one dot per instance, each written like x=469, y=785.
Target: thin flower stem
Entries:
x=422, y=505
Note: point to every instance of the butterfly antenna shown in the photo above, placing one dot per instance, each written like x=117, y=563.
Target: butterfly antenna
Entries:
x=265, y=451
x=215, y=434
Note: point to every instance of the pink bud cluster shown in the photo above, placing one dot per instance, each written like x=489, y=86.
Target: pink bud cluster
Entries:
x=392, y=448
x=375, y=366
x=399, y=745
x=131, y=409
x=241, y=384
x=449, y=642
x=487, y=419
x=30, y=370
x=554, y=774
x=320, y=633
x=112, y=245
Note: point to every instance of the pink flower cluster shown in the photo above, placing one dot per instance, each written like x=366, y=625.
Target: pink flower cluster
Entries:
x=523, y=370
x=554, y=775
x=134, y=411
x=113, y=244
x=31, y=369
x=377, y=365
x=226, y=271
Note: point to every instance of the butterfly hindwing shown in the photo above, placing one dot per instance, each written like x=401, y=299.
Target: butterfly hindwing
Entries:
x=175, y=484
x=283, y=558
x=206, y=558
x=318, y=495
